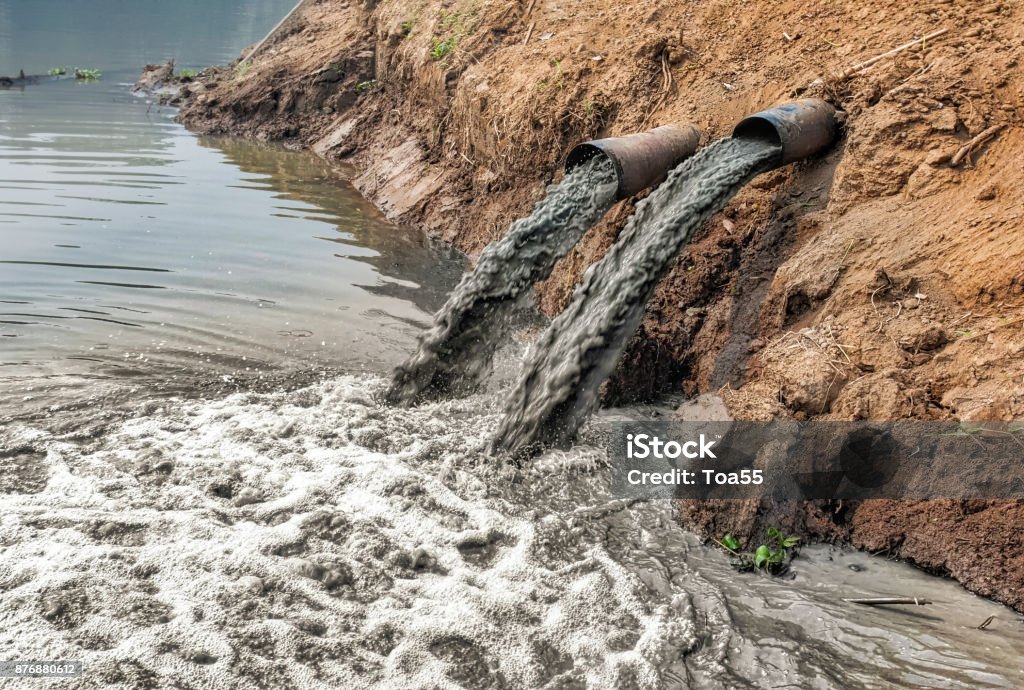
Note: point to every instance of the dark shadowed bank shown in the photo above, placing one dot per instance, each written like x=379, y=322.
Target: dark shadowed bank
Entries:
x=882, y=281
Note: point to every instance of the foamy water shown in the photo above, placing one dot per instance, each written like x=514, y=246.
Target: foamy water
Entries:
x=313, y=539
x=221, y=541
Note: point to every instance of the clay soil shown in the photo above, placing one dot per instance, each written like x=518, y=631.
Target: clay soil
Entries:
x=884, y=280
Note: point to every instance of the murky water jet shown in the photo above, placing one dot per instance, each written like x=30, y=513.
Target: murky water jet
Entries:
x=560, y=385
x=455, y=354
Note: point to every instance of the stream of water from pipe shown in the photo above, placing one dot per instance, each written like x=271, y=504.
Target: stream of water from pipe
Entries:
x=457, y=351
x=559, y=387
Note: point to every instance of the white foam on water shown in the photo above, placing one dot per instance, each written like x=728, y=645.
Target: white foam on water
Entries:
x=312, y=539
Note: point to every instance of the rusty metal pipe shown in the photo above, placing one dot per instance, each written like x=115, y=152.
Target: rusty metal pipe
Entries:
x=802, y=128
x=640, y=160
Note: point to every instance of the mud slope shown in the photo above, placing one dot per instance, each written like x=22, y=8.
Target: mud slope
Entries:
x=885, y=280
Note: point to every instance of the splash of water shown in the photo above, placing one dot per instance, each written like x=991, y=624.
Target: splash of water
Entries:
x=560, y=385
x=313, y=539
x=458, y=349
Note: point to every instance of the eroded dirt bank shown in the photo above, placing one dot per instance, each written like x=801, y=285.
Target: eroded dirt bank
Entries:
x=885, y=280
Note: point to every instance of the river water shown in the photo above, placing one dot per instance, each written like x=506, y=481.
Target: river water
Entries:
x=130, y=248
x=168, y=532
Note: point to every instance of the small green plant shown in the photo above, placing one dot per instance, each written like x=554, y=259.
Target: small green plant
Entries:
x=58, y=71
x=241, y=69
x=441, y=49
x=556, y=80
x=366, y=85
x=187, y=73
x=730, y=543
x=450, y=19
x=590, y=107
x=771, y=557
x=407, y=26
x=87, y=74
x=593, y=113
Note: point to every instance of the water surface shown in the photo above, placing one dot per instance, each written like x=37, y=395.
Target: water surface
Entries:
x=131, y=249
x=313, y=539
x=307, y=537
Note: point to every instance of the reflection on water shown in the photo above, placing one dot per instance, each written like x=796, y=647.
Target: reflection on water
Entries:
x=130, y=248
x=400, y=256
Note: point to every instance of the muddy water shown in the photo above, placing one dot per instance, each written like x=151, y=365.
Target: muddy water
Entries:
x=312, y=539
x=304, y=537
x=457, y=351
x=130, y=250
x=560, y=383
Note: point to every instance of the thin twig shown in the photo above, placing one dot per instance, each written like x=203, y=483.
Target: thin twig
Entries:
x=273, y=31
x=841, y=266
x=881, y=321
x=667, y=86
x=529, y=33
x=860, y=67
x=974, y=144
x=993, y=330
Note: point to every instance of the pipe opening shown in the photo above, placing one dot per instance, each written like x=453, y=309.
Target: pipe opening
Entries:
x=580, y=155
x=640, y=160
x=586, y=152
x=758, y=128
x=800, y=128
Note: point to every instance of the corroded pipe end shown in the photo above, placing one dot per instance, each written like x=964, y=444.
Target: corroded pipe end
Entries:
x=802, y=127
x=640, y=160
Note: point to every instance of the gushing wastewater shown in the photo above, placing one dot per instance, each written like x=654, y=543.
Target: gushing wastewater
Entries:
x=559, y=387
x=313, y=539
x=457, y=351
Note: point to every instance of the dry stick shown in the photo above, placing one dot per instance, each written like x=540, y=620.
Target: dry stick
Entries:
x=858, y=68
x=846, y=74
x=667, y=83
x=529, y=8
x=974, y=144
x=273, y=31
x=884, y=601
x=529, y=32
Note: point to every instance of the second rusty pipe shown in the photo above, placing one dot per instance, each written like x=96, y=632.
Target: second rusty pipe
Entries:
x=642, y=159
x=802, y=128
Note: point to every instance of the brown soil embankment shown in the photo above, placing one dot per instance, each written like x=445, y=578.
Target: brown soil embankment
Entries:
x=884, y=280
